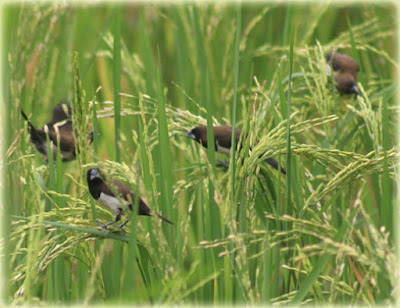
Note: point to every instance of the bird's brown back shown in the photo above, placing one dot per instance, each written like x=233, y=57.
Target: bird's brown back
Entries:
x=222, y=135
x=61, y=117
x=345, y=71
x=345, y=63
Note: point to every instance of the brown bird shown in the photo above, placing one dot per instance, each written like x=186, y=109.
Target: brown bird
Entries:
x=115, y=197
x=222, y=140
x=345, y=72
x=61, y=117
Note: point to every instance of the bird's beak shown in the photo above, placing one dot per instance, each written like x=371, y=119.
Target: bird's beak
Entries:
x=354, y=90
x=93, y=174
x=190, y=135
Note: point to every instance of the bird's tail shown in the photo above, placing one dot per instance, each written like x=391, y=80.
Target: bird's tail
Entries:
x=31, y=127
x=273, y=163
x=165, y=219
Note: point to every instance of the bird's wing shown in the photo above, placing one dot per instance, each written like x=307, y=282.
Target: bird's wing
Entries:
x=222, y=136
x=67, y=141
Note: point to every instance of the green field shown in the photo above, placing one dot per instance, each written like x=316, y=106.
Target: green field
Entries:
x=141, y=76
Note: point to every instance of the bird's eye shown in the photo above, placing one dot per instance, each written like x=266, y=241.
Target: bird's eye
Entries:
x=335, y=66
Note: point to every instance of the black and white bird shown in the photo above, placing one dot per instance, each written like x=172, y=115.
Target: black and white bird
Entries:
x=223, y=140
x=115, y=196
x=345, y=72
x=61, y=118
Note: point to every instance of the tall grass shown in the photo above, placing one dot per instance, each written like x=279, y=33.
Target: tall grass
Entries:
x=141, y=76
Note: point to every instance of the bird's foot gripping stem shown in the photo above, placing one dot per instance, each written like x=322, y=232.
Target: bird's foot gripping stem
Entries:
x=121, y=226
x=104, y=226
x=223, y=164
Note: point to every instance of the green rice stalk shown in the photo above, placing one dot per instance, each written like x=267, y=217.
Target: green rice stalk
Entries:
x=117, y=82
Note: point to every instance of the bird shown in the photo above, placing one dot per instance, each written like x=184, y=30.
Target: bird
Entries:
x=61, y=117
x=222, y=140
x=345, y=72
x=115, y=196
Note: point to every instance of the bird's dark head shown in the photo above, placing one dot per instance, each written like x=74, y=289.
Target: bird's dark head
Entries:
x=195, y=134
x=328, y=57
x=94, y=175
x=346, y=84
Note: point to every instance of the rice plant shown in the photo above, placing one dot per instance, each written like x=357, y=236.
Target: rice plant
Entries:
x=140, y=76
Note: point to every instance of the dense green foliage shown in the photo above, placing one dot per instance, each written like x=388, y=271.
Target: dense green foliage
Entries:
x=324, y=233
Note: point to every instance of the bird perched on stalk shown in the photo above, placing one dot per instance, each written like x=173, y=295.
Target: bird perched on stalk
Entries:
x=345, y=72
x=115, y=196
x=223, y=140
x=61, y=121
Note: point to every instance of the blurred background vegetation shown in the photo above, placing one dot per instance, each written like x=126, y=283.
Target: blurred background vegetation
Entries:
x=325, y=233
